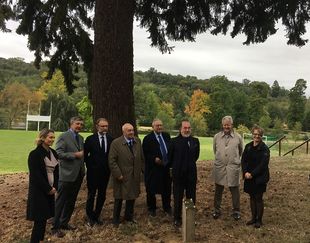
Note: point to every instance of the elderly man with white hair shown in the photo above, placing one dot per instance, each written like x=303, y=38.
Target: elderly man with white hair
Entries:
x=227, y=148
x=126, y=163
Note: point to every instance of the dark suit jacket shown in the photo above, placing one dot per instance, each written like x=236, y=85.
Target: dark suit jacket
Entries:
x=96, y=160
x=183, y=156
x=70, y=167
x=155, y=175
x=40, y=205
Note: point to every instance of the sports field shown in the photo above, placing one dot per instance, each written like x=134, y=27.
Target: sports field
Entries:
x=15, y=146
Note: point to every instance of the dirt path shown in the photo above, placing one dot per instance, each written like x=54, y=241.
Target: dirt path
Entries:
x=287, y=205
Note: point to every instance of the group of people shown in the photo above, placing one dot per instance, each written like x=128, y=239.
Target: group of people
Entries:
x=168, y=165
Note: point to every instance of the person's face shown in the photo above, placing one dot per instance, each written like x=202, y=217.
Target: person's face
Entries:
x=49, y=140
x=158, y=126
x=129, y=132
x=102, y=127
x=256, y=136
x=76, y=126
x=185, y=129
x=227, y=126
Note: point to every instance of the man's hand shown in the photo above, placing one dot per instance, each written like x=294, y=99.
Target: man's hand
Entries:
x=53, y=191
x=248, y=175
x=79, y=154
x=120, y=178
x=158, y=161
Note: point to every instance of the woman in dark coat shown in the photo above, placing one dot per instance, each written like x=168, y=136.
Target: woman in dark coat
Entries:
x=43, y=178
x=255, y=160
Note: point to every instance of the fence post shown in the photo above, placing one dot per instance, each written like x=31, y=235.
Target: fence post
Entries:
x=188, y=220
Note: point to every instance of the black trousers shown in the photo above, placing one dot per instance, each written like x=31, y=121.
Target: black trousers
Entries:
x=65, y=201
x=38, y=231
x=129, y=210
x=151, y=201
x=165, y=196
x=96, y=184
x=179, y=186
x=257, y=206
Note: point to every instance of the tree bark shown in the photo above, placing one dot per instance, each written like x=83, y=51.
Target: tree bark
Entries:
x=112, y=70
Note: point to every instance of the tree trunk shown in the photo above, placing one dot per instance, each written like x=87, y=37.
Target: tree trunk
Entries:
x=112, y=70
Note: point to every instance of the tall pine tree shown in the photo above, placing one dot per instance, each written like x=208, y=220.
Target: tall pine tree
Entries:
x=60, y=29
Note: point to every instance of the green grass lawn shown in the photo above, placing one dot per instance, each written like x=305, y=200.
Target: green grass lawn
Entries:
x=15, y=146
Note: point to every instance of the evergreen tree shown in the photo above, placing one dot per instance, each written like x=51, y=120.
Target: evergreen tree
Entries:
x=62, y=26
x=297, y=103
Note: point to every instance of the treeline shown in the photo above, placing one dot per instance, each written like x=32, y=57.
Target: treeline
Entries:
x=169, y=97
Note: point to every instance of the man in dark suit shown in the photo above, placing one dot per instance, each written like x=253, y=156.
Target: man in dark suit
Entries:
x=157, y=176
x=183, y=154
x=96, y=149
x=69, y=148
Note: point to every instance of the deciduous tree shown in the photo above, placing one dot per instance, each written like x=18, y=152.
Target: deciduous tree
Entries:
x=14, y=100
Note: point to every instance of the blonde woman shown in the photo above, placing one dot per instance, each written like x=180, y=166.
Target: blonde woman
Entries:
x=43, y=178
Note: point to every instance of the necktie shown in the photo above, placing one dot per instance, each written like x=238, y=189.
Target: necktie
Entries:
x=77, y=140
x=163, y=150
x=130, y=144
x=103, y=143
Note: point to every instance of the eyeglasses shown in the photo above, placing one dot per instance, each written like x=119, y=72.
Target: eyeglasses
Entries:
x=256, y=134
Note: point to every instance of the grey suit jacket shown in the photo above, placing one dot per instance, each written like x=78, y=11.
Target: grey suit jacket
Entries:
x=69, y=166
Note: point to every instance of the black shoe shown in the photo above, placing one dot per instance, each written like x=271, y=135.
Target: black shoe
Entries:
x=152, y=213
x=98, y=222
x=177, y=223
x=131, y=221
x=90, y=222
x=216, y=215
x=236, y=216
x=252, y=221
x=68, y=227
x=58, y=233
x=168, y=211
x=116, y=222
x=258, y=224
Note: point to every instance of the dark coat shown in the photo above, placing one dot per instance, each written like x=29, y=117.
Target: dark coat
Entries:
x=96, y=159
x=40, y=205
x=182, y=155
x=128, y=164
x=155, y=175
x=256, y=161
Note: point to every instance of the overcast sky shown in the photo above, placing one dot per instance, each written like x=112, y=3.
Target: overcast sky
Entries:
x=207, y=57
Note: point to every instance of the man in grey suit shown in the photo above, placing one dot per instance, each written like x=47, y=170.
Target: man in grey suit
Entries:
x=69, y=148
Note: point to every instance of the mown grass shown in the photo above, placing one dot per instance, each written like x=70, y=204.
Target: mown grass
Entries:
x=15, y=146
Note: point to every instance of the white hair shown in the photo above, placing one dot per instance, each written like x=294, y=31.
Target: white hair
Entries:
x=227, y=118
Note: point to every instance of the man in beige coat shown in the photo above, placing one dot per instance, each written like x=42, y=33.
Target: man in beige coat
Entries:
x=126, y=163
x=227, y=148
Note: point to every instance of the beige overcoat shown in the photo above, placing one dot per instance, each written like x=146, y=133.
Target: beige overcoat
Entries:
x=227, y=163
x=130, y=165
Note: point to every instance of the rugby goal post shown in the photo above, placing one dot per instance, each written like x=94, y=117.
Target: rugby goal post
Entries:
x=38, y=118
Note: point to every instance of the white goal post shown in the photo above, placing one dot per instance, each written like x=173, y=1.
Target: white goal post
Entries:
x=38, y=118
